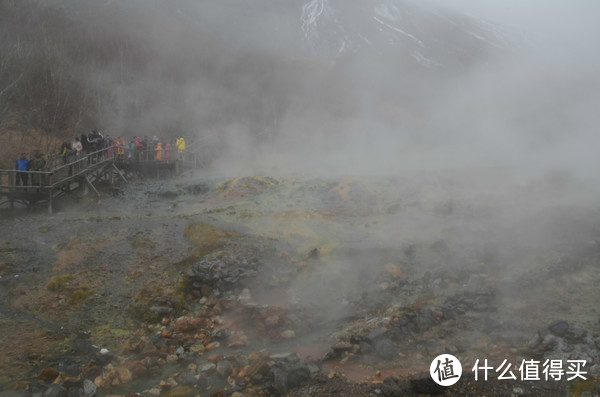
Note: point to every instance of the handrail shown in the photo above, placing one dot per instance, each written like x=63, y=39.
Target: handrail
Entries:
x=8, y=177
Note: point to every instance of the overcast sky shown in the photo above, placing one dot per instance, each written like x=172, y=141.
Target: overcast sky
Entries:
x=566, y=25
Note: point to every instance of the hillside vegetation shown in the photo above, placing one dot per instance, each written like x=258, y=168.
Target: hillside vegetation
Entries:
x=221, y=72
x=67, y=69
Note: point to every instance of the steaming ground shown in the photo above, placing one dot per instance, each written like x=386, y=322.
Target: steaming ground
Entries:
x=473, y=263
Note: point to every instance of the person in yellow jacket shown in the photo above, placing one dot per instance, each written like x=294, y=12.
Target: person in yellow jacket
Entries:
x=180, y=146
x=120, y=148
x=158, y=150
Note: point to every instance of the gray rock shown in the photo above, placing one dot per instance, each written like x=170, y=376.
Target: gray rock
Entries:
x=285, y=356
x=224, y=368
x=161, y=310
x=390, y=387
x=202, y=382
x=297, y=376
x=376, y=334
x=189, y=379
x=559, y=328
x=207, y=368
x=313, y=368
x=89, y=388
x=279, y=380
x=385, y=349
x=426, y=385
x=55, y=391
x=179, y=351
x=75, y=392
x=575, y=333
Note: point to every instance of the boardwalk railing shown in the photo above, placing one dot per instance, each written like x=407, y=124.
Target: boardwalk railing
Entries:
x=11, y=180
x=63, y=174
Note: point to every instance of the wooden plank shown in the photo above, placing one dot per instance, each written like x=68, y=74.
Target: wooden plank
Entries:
x=91, y=185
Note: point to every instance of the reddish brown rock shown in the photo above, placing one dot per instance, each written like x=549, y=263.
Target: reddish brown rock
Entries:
x=165, y=333
x=206, y=290
x=138, y=369
x=258, y=366
x=149, y=350
x=214, y=358
x=48, y=375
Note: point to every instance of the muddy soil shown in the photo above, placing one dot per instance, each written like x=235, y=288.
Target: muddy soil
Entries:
x=301, y=286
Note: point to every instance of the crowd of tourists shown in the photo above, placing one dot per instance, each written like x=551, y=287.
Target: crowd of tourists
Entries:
x=138, y=148
x=94, y=147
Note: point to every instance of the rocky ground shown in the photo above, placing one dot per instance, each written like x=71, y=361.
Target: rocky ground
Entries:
x=300, y=286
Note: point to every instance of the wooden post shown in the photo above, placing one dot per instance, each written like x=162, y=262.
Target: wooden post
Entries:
x=50, y=193
x=92, y=186
x=50, y=200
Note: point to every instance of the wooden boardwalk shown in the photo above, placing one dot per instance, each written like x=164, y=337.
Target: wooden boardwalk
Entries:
x=80, y=175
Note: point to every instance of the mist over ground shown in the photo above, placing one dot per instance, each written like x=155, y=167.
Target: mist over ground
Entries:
x=319, y=85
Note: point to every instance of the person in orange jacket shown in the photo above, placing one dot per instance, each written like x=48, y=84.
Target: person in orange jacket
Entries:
x=158, y=151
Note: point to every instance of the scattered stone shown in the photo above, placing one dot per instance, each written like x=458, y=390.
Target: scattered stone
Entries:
x=342, y=347
x=148, y=350
x=89, y=388
x=55, y=390
x=279, y=380
x=172, y=358
x=224, y=368
x=197, y=348
x=161, y=310
x=189, y=379
x=124, y=374
x=559, y=328
x=426, y=385
x=207, y=368
x=376, y=334
x=391, y=387
x=178, y=391
x=297, y=376
x=48, y=375
x=288, y=334
x=220, y=334
x=258, y=367
x=75, y=391
x=213, y=345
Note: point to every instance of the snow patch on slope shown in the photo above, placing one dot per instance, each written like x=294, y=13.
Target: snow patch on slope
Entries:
x=310, y=14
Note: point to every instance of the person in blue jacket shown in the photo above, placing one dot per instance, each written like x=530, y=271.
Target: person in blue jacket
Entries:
x=22, y=165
